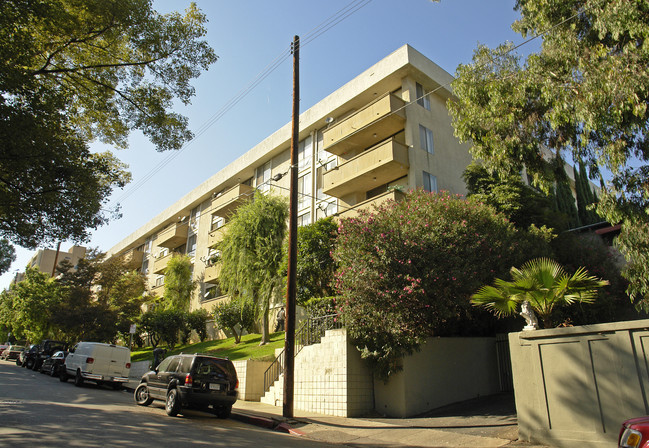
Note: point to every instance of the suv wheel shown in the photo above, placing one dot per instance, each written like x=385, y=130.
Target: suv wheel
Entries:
x=142, y=395
x=222, y=411
x=52, y=371
x=172, y=405
x=78, y=379
x=29, y=364
x=63, y=374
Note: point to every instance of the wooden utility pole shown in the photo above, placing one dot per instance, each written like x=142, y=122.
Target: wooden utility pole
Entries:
x=56, y=258
x=289, y=341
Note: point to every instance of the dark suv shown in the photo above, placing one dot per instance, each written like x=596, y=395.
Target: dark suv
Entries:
x=195, y=381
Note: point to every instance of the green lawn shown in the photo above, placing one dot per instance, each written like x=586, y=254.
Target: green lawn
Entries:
x=248, y=348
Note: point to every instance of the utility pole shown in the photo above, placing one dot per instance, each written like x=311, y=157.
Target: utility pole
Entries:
x=56, y=258
x=289, y=341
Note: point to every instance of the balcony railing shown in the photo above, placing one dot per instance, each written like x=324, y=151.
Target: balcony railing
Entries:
x=375, y=122
x=133, y=258
x=229, y=200
x=173, y=236
x=376, y=166
x=160, y=264
x=369, y=204
x=212, y=273
x=216, y=236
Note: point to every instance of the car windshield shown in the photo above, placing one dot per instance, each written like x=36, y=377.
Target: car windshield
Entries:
x=206, y=366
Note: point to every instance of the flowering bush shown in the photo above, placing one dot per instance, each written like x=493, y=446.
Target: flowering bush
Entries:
x=407, y=270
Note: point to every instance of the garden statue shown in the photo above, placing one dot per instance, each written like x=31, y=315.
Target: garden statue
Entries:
x=530, y=317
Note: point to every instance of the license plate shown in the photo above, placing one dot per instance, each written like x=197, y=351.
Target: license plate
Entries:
x=215, y=386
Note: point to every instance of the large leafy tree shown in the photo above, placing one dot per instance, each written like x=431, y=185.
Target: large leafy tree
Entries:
x=407, y=270
x=543, y=284
x=76, y=70
x=179, y=285
x=251, y=253
x=583, y=95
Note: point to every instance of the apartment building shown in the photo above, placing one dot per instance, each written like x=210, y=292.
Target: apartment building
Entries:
x=384, y=132
x=46, y=259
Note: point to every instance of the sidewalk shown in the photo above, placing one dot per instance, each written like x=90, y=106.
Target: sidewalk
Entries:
x=487, y=422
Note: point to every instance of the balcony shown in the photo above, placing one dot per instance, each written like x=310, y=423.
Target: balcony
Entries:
x=212, y=273
x=133, y=258
x=375, y=122
x=376, y=166
x=369, y=204
x=160, y=264
x=229, y=200
x=173, y=236
x=216, y=236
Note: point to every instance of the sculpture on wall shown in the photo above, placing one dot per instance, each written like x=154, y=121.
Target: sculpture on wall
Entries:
x=530, y=317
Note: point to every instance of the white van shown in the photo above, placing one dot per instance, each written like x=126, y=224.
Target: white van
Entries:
x=98, y=362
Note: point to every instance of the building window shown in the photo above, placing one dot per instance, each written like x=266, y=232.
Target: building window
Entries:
x=212, y=291
x=191, y=245
x=426, y=139
x=430, y=182
x=164, y=251
x=194, y=216
x=217, y=222
x=320, y=178
x=304, y=153
x=304, y=191
x=145, y=267
x=423, y=97
x=159, y=280
x=304, y=220
x=263, y=177
x=325, y=209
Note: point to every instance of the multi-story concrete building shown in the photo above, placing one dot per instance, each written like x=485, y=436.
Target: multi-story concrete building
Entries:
x=386, y=131
x=46, y=259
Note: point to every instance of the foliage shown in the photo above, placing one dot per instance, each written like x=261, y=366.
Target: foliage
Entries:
x=633, y=241
x=7, y=255
x=583, y=96
x=236, y=312
x=407, y=270
x=74, y=71
x=26, y=308
x=321, y=306
x=197, y=321
x=178, y=283
x=544, y=284
x=163, y=326
x=573, y=250
x=586, y=198
x=521, y=203
x=251, y=252
x=565, y=202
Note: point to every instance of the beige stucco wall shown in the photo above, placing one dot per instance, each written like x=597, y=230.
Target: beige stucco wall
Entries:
x=578, y=384
x=251, y=378
x=444, y=371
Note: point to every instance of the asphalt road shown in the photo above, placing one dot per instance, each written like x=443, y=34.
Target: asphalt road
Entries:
x=37, y=410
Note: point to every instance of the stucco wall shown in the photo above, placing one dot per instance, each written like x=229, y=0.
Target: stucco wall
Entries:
x=578, y=384
x=444, y=371
x=251, y=378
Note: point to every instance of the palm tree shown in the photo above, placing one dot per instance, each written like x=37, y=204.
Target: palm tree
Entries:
x=544, y=284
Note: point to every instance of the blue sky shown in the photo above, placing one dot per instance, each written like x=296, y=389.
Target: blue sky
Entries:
x=248, y=35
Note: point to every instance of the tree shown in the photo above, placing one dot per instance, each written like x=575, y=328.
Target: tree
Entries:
x=75, y=71
x=406, y=271
x=508, y=194
x=543, y=284
x=586, y=198
x=315, y=267
x=178, y=283
x=7, y=255
x=582, y=96
x=197, y=321
x=251, y=252
x=237, y=312
x=163, y=325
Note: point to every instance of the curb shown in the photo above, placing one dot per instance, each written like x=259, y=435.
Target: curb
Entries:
x=266, y=422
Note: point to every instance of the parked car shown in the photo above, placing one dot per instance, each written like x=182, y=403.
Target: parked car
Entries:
x=11, y=352
x=27, y=357
x=46, y=349
x=634, y=433
x=98, y=362
x=54, y=363
x=196, y=381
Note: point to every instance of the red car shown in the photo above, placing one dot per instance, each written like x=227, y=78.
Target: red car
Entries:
x=634, y=433
x=11, y=352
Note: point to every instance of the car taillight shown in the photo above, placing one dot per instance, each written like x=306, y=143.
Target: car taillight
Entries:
x=128, y=365
x=90, y=360
x=630, y=438
x=189, y=381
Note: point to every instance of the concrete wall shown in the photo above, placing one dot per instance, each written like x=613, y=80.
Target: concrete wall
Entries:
x=251, y=378
x=578, y=384
x=444, y=371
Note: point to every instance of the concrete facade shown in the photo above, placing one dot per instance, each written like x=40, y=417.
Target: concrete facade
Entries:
x=577, y=385
x=44, y=259
x=385, y=131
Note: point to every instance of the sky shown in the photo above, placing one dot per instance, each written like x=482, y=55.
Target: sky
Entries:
x=251, y=36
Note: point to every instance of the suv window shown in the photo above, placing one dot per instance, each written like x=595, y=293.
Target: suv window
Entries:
x=186, y=364
x=164, y=364
x=173, y=365
x=206, y=366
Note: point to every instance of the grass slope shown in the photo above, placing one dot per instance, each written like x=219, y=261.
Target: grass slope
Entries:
x=248, y=348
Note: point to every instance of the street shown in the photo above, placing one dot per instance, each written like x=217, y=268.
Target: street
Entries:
x=38, y=410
